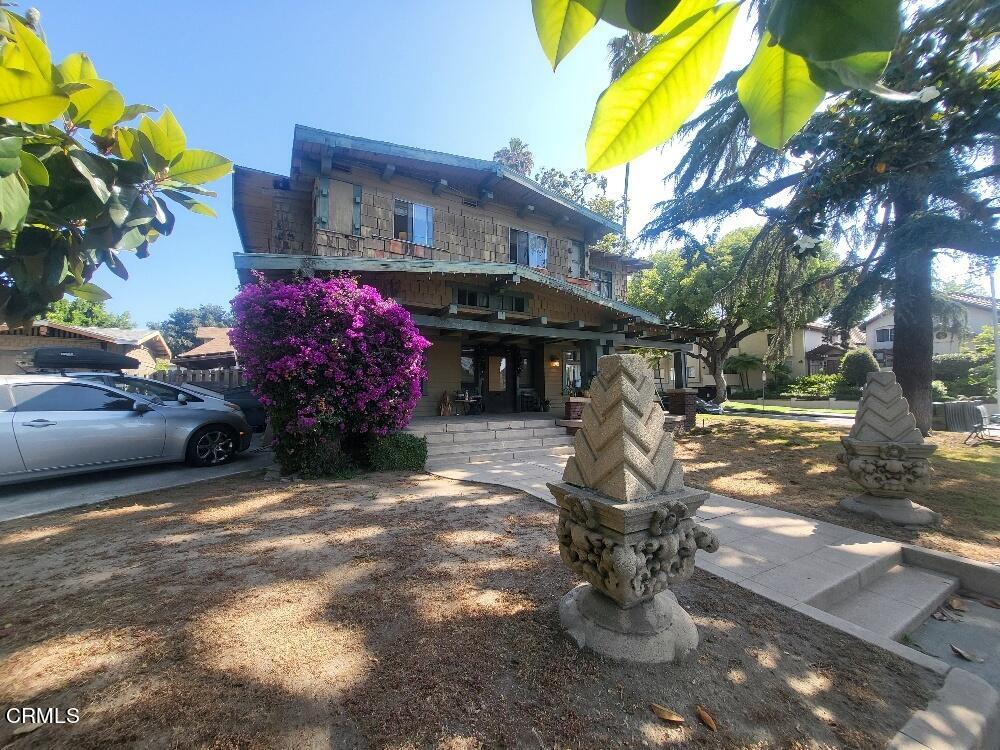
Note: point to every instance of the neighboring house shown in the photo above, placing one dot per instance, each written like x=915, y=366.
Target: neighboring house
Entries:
x=498, y=272
x=880, y=328
x=144, y=344
x=814, y=348
x=213, y=352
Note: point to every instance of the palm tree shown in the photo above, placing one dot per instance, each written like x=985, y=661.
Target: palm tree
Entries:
x=516, y=155
x=623, y=52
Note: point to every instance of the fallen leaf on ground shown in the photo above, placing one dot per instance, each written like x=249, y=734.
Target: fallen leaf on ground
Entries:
x=666, y=714
x=706, y=718
x=25, y=729
x=956, y=604
x=965, y=654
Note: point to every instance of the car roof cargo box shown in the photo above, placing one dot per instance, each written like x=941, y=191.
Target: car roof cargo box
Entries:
x=69, y=358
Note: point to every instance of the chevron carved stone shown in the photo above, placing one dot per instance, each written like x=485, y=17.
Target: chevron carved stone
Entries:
x=622, y=449
x=885, y=453
x=626, y=522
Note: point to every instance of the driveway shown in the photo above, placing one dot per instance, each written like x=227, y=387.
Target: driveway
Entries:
x=34, y=498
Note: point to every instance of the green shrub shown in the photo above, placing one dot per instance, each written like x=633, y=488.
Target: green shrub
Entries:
x=846, y=392
x=813, y=386
x=398, y=451
x=951, y=367
x=856, y=364
x=939, y=391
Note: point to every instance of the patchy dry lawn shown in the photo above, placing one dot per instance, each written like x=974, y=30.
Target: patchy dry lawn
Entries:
x=394, y=611
x=793, y=466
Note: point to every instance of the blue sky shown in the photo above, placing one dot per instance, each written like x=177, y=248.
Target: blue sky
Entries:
x=451, y=75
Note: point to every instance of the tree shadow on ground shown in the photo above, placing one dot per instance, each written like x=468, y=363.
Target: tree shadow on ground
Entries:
x=390, y=611
x=793, y=466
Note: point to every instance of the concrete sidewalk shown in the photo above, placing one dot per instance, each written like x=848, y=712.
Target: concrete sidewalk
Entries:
x=860, y=583
x=34, y=498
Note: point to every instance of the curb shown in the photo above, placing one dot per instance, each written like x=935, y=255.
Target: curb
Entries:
x=964, y=715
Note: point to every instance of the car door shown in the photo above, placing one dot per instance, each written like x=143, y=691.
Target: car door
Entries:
x=10, y=457
x=61, y=425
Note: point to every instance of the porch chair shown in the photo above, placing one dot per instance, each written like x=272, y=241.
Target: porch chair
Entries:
x=985, y=427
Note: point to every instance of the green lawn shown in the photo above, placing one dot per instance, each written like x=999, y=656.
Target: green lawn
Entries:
x=755, y=406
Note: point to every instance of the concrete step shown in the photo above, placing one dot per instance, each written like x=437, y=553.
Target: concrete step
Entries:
x=502, y=458
x=857, y=565
x=489, y=446
x=898, y=601
x=474, y=424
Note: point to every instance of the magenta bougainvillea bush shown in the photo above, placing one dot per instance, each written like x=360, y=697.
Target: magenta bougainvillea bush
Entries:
x=331, y=360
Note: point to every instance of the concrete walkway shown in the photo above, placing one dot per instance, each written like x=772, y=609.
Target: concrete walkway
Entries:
x=34, y=498
x=860, y=583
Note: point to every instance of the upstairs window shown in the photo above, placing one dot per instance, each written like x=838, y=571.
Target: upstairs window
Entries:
x=413, y=222
x=472, y=298
x=577, y=259
x=528, y=249
x=883, y=335
x=602, y=279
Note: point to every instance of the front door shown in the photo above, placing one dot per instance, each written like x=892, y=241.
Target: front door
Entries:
x=61, y=425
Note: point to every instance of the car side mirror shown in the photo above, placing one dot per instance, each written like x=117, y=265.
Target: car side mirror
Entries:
x=141, y=407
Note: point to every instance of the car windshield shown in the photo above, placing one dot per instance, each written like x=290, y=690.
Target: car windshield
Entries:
x=148, y=388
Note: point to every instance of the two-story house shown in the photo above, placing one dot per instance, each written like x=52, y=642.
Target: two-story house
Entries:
x=498, y=271
x=880, y=328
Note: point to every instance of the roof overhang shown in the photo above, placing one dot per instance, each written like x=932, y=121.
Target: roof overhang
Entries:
x=246, y=262
x=473, y=178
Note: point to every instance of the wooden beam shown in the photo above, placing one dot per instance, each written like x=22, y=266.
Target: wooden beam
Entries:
x=439, y=186
x=651, y=344
x=485, y=196
x=541, y=320
x=448, y=310
x=560, y=220
x=525, y=210
x=572, y=325
x=511, y=329
x=497, y=315
x=388, y=172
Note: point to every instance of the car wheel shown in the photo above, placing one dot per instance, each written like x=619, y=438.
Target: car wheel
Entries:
x=211, y=446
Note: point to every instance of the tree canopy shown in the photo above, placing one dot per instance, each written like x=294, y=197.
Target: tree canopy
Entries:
x=80, y=312
x=84, y=177
x=712, y=289
x=180, y=326
x=892, y=182
x=516, y=155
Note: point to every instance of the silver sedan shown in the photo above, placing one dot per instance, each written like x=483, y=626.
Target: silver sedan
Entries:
x=53, y=425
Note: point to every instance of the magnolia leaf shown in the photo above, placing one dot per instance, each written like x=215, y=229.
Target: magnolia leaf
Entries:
x=705, y=718
x=10, y=155
x=174, y=139
x=155, y=144
x=189, y=203
x=777, y=93
x=647, y=105
x=164, y=221
x=196, y=166
x=13, y=202
x=666, y=714
x=33, y=169
x=835, y=29
x=27, y=97
x=126, y=145
x=89, y=292
x=113, y=262
x=131, y=239
x=866, y=67
x=89, y=165
x=77, y=67
x=98, y=106
x=180, y=186
x=614, y=13
x=134, y=110
x=560, y=24
x=967, y=655
x=647, y=15
x=35, y=56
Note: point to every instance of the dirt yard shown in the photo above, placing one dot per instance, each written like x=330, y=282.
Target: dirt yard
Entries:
x=792, y=465
x=393, y=611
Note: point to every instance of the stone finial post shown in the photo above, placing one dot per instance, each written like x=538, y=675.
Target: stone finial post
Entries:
x=885, y=453
x=625, y=522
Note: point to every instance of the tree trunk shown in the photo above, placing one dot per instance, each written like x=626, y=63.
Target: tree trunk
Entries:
x=717, y=371
x=913, y=346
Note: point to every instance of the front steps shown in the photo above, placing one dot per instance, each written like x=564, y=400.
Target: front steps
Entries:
x=462, y=440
